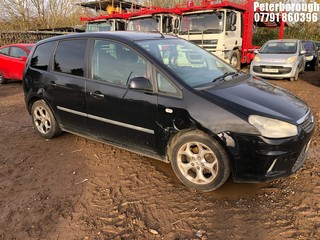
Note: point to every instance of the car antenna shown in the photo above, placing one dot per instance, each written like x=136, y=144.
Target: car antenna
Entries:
x=162, y=35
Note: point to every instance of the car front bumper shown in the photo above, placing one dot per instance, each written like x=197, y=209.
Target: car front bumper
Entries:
x=273, y=70
x=259, y=159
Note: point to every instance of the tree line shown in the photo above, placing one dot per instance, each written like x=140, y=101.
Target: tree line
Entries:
x=26, y=15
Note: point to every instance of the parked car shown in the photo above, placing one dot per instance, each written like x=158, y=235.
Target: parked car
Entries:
x=312, y=58
x=12, y=61
x=279, y=59
x=318, y=51
x=169, y=99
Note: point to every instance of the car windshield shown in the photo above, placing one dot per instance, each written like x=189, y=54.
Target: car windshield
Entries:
x=148, y=24
x=202, y=23
x=191, y=63
x=99, y=26
x=279, y=48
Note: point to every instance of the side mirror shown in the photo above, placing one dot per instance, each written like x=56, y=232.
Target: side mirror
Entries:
x=303, y=52
x=176, y=23
x=140, y=83
x=256, y=51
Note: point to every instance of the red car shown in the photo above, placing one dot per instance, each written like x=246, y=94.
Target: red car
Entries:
x=12, y=61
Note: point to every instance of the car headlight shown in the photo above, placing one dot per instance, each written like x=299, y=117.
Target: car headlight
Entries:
x=309, y=58
x=291, y=59
x=273, y=128
x=257, y=58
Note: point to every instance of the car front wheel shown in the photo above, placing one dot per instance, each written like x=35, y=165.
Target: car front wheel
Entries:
x=44, y=120
x=199, y=161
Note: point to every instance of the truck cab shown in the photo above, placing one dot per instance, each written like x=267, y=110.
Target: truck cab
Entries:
x=218, y=31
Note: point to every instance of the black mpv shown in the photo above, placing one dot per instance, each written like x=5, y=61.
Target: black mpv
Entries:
x=166, y=98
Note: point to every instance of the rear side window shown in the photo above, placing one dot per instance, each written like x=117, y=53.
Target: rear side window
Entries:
x=42, y=55
x=70, y=57
x=18, y=52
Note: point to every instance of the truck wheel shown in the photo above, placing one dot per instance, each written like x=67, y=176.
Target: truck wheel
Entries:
x=199, y=161
x=44, y=120
x=235, y=59
x=2, y=79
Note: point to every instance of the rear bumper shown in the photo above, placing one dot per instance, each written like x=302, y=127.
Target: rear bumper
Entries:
x=258, y=159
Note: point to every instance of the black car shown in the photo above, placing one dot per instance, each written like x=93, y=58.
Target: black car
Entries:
x=312, y=58
x=318, y=46
x=166, y=98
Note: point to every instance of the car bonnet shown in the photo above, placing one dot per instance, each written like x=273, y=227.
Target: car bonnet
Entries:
x=249, y=95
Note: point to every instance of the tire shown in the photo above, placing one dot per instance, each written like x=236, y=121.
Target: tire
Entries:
x=295, y=77
x=235, y=59
x=2, y=79
x=44, y=120
x=199, y=161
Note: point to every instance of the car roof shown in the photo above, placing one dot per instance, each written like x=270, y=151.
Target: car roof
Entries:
x=124, y=35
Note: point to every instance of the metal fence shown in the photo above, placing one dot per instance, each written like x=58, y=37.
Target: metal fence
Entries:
x=8, y=37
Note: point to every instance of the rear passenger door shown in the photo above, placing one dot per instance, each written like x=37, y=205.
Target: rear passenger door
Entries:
x=115, y=112
x=17, y=63
x=65, y=84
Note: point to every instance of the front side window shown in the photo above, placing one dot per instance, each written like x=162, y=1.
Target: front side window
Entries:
x=18, y=52
x=42, y=55
x=70, y=57
x=115, y=63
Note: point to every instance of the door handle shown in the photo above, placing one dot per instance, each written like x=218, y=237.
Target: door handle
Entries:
x=97, y=94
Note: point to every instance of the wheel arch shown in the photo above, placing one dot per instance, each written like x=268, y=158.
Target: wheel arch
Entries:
x=172, y=140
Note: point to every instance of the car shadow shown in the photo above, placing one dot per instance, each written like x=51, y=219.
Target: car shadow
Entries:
x=311, y=77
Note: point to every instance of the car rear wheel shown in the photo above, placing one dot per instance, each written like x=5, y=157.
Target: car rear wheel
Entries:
x=44, y=120
x=199, y=161
x=2, y=79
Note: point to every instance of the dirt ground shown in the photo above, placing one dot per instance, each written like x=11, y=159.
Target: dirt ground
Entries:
x=73, y=188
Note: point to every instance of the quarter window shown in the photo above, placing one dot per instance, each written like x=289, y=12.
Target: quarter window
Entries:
x=70, y=57
x=116, y=63
x=42, y=55
x=164, y=85
x=4, y=51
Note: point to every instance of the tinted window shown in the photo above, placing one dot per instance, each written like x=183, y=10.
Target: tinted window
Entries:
x=42, y=55
x=70, y=57
x=18, y=52
x=116, y=63
x=4, y=51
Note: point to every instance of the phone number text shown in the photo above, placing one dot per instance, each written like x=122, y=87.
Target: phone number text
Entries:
x=286, y=17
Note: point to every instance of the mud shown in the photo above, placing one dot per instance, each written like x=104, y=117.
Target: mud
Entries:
x=73, y=188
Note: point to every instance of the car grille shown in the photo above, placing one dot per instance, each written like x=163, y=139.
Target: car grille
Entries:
x=281, y=70
x=308, y=124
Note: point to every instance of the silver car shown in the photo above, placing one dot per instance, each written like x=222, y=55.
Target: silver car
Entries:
x=279, y=59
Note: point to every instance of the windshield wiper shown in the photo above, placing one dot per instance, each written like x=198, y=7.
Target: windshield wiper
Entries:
x=223, y=77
